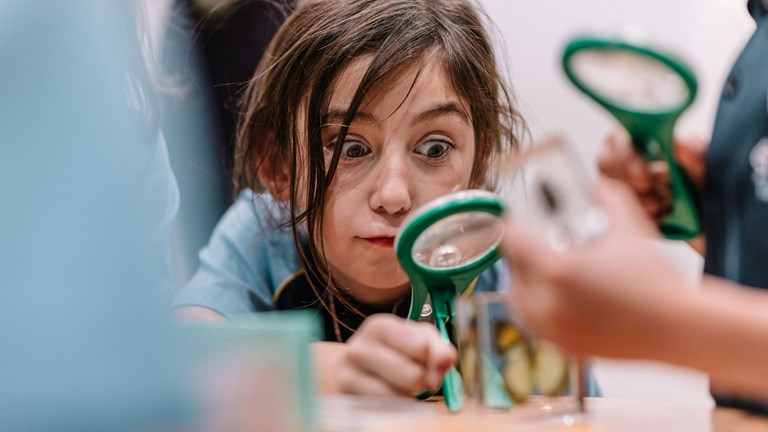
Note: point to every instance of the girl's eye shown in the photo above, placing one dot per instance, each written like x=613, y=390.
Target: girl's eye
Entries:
x=353, y=149
x=433, y=149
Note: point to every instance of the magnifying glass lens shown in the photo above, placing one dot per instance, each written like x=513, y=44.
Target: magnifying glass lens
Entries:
x=458, y=240
x=631, y=79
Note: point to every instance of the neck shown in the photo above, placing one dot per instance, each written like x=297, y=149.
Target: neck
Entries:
x=378, y=298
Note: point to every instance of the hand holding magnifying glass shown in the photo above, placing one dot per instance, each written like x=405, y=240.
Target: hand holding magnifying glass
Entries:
x=646, y=90
x=443, y=247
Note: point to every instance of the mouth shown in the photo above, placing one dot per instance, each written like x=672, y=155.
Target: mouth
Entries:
x=383, y=241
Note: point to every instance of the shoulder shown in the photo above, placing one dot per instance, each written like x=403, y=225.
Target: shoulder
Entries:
x=254, y=212
x=252, y=218
x=253, y=233
x=248, y=257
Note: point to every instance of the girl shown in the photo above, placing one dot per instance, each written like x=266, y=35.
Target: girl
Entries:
x=360, y=112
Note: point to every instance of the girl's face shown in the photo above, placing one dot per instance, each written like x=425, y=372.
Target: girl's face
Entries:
x=402, y=150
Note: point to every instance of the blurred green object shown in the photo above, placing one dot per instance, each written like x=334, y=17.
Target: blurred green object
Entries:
x=263, y=360
x=646, y=89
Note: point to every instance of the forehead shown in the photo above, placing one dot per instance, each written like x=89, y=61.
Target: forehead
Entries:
x=414, y=88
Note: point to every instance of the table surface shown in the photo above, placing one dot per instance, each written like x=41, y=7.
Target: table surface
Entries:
x=344, y=413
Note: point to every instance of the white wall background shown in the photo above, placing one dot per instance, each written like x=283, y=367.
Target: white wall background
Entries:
x=706, y=33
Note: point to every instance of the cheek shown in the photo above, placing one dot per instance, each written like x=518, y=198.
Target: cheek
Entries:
x=463, y=162
x=448, y=179
x=336, y=214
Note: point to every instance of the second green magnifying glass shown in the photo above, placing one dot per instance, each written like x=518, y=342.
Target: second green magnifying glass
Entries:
x=646, y=90
x=443, y=247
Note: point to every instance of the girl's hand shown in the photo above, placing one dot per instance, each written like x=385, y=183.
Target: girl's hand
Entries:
x=387, y=356
x=650, y=180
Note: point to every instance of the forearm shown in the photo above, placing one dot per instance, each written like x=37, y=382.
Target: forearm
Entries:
x=722, y=331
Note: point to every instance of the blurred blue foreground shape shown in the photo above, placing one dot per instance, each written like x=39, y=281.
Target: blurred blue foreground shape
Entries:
x=86, y=203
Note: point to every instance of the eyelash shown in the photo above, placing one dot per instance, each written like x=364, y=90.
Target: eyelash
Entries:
x=367, y=150
x=448, y=146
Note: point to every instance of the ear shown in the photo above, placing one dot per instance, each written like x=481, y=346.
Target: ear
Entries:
x=273, y=173
x=274, y=176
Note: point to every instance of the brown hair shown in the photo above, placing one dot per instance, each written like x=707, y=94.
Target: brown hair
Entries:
x=296, y=73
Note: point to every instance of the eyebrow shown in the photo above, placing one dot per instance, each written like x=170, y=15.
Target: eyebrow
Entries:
x=337, y=116
x=442, y=110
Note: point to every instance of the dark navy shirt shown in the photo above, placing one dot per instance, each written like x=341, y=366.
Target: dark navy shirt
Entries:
x=735, y=201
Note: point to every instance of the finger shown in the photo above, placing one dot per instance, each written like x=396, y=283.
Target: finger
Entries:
x=651, y=205
x=658, y=171
x=663, y=196
x=615, y=153
x=619, y=160
x=638, y=175
x=389, y=329
x=662, y=189
x=442, y=355
x=423, y=345
x=358, y=382
x=656, y=205
x=382, y=362
x=663, y=212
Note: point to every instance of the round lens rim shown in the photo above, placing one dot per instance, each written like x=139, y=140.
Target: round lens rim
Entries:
x=584, y=43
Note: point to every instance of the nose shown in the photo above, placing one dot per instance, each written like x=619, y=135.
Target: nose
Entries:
x=392, y=186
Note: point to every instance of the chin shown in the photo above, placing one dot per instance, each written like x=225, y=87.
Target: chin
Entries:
x=386, y=281
x=370, y=276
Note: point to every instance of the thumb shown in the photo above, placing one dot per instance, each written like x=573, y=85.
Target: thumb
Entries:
x=442, y=355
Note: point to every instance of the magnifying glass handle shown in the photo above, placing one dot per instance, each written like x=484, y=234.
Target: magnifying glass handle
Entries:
x=652, y=136
x=442, y=305
x=682, y=223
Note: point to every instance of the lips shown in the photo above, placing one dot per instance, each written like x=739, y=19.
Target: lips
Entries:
x=383, y=241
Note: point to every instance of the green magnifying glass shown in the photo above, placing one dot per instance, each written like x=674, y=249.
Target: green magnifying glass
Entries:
x=646, y=90
x=443, y=247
